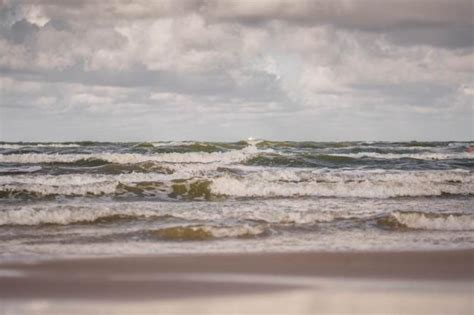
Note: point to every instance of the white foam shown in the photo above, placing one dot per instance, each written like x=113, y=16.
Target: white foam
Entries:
x=189, y=157
x=56, y=241
x=27, y=215
x=271, y=211
x=450, y=222
x=344, y=184
x=76, y=184
x=172, y=143
x=262, y=182
x=38, y=145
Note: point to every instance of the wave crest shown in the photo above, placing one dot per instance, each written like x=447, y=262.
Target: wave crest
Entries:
x=428, y=221
x=204, y=232
x=232, y=156
x=212, y=185
x=286, y=183
x=64, y=215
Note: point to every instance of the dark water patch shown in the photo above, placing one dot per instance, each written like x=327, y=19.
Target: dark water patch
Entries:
x=145, y=145
x=207, y=147
x=22, y=194
x=303, y=144
x=318, y=160
x=26, y=150
x=181, y=147
x=95, y=166
x=111, y=219
x=85, y=162
x=9, y=169
x=380, y=150
x=334, y=159
x=207, y=232
x=467, y=164
x=181, y=233
x=425, y=144
x=122, y=218
x=141, y=189
x=280, y=160
x=143, y=167
x=195, y=147
x=302, y=160
x=231, y=171
x=198, y=189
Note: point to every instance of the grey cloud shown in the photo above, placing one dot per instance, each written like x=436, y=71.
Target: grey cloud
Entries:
x=446, y=23
x=276, y=69
x=409, y=93
x=261, y=87
x=461, y=36
x=22, y=31
x=434, y=22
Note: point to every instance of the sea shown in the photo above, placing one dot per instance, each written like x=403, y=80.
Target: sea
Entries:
x=82, y=199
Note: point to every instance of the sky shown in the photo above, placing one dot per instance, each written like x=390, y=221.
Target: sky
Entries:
x=227, y=70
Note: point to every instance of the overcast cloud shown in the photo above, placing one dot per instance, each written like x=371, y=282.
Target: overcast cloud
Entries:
x=227, y=70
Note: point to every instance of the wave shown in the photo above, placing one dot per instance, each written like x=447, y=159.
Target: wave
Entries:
x=197, y=147
x=428, y=221
x=143, y=167
x=300, y=160
x=203, y=220
x=208, y=232
x=26, y=187
x=19, y=170
x=87, y=162
x=100, y=166
x=70, y=214
x=123, y=158
x=169, y=147
x=267, y=212
x=171, y=143
x=38, y=145
x=286, y=183
x=197, y=183
x=304, y=144
x=356, y=144
x=418, y=156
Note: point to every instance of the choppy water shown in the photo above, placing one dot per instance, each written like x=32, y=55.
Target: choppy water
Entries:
x=89, y=198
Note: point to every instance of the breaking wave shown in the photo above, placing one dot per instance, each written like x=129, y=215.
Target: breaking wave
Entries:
x=208, y=232
x=344, y=184
x=248, y=183
x=78, y=185
x=64, y=215
x=38, y=145
x=428, y=221
x=124, y=158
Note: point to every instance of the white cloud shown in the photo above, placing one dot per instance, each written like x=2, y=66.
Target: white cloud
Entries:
x=235, y=64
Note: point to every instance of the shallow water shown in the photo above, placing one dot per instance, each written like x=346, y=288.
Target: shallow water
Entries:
x=89, y=198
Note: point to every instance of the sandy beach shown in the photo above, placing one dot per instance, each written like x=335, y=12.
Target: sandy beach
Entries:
x=435, y=282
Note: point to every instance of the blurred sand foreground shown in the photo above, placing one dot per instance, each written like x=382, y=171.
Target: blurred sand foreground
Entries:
x=425, y=282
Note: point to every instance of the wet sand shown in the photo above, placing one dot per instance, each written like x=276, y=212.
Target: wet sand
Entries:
x=369, y=281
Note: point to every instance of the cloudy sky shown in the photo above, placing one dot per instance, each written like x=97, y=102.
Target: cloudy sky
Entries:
x=227, y=70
